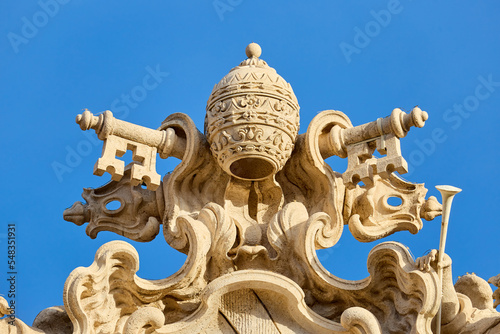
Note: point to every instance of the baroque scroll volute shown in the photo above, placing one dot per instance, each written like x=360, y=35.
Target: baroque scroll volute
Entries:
x=250, y=202
x=371, y=182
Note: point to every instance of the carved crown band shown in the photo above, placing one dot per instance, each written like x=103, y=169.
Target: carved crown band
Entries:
x=252, y=109
x=246, y=77
x=260, y=89
x=252, y=141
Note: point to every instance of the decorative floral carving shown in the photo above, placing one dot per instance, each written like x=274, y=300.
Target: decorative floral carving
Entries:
x=249, y=115
x=220, y=107
x=265, y=114
x=218, y=122
x=282, y=105
x=250, y=133
x=250, y=100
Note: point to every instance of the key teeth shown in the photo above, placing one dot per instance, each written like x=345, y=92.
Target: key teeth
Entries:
x=150, y=178
x=152, y=184
x=364, y=171
x=386, y=166
x=116, y=168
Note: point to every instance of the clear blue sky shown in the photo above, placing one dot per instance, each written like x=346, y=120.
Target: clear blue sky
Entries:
x=363, y=58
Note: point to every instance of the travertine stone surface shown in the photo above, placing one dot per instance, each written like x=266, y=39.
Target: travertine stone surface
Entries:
x=244, y=310
x=252, y=119
x=54, y=320
x=496, y=295
x=478, y=291
x=250, y=203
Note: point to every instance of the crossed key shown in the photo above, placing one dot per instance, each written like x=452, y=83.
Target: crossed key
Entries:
x=143, y=165
x=359, y=143
x=120, y=136
x=362, y=165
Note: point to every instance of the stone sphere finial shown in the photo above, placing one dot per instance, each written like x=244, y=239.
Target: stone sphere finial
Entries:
x=253, y=50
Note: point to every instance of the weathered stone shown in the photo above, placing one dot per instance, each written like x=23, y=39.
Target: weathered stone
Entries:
x=250, y=203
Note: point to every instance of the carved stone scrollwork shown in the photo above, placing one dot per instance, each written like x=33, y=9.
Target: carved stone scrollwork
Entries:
x=394, y=282
x=250, y=203
x=370, y=215
x=195, y=182
x=137, y=217
x=144, y=318
x=331, y=297
x=308, y=179
x=360, y=320
x=105, y=297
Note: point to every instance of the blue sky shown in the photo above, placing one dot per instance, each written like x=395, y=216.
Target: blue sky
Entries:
x=364, y=58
